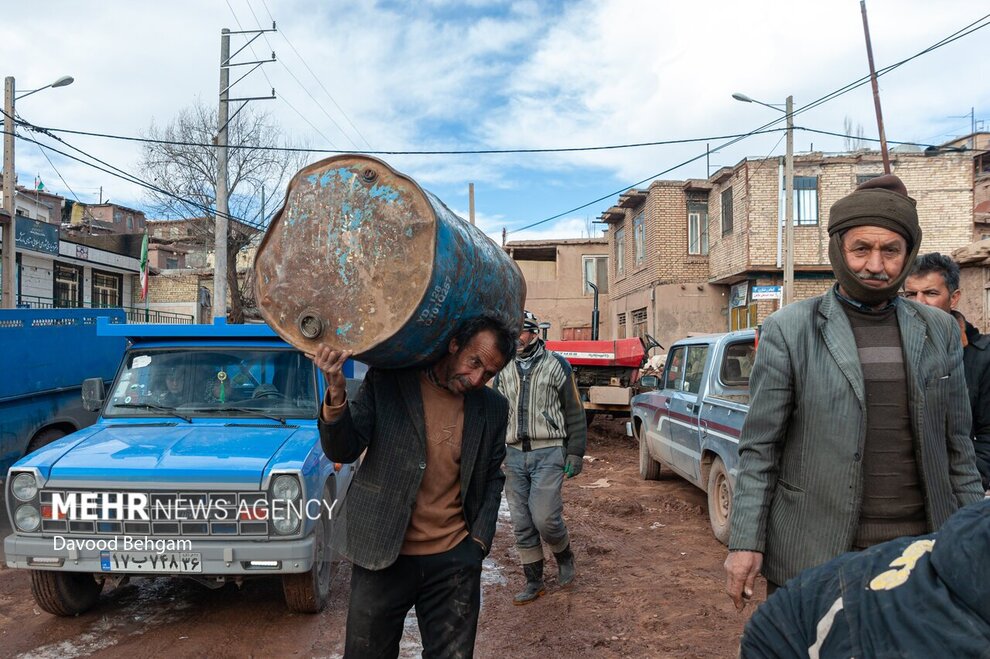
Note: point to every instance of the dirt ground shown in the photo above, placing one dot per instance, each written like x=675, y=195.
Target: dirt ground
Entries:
x=649, y=585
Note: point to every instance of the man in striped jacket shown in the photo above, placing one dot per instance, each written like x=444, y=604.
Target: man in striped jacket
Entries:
x=545, y=440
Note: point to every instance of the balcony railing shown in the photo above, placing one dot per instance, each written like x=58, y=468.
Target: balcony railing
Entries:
x=134, y=314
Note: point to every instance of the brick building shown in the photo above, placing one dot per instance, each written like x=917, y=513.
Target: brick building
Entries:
x=107, y=218
x=703, y=256
x=555, y=272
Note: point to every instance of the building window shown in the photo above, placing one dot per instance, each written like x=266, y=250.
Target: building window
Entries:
x=639, y=322
x=171, y=262
x=106, y=289
x=622, y=326
x=743, y=317
x=805, y=200
x=130, y=222
x=727, y=211
x=639, y=239
x=117, y=217
x=620, y=251
x=697, y=229
x=595, y=271
x=68, y=285
x=863, y=178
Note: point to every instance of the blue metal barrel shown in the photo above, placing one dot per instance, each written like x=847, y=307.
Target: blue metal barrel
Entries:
x=361, y=258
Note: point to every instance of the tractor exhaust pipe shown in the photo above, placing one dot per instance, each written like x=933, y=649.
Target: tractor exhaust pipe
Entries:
x=594, y=314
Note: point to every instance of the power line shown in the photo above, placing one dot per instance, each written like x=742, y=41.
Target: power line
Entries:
x=443, y=152
x=958, y=34
x=131, y=178
x=313, y=73
x=264, y=73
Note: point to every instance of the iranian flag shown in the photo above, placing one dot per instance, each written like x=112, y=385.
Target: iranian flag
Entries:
x=144, y=266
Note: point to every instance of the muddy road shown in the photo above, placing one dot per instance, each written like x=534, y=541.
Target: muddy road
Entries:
x=649, y=585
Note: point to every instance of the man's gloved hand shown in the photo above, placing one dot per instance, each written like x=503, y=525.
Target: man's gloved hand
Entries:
x=573, y=465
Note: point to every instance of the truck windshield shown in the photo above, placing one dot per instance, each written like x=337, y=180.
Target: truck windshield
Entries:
x=228, y=383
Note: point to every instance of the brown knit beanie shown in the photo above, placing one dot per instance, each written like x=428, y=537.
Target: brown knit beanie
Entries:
x=880, y=202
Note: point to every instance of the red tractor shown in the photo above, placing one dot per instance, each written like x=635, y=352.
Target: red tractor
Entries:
x=607, y=372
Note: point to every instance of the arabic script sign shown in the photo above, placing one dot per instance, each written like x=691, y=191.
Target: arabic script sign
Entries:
x=36, y=236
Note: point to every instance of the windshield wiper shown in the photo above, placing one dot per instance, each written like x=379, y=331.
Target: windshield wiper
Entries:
x=158, y=408
x=246, y=410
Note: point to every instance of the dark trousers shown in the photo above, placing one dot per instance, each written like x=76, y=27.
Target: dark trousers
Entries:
x=445, y=589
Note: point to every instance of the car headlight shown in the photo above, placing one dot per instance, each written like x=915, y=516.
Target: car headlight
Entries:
x=24, y=486
x=286, y=487
x=27, y=518
x=287, y=524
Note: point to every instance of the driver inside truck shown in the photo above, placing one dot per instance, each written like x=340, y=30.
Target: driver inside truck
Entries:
x=173, y=394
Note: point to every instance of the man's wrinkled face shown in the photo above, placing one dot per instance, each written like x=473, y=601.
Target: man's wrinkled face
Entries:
x=930, y=289
x=473, y=365
x=526, y=337
x=876, y=255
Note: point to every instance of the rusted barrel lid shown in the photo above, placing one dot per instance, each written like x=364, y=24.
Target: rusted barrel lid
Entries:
x=361, y=258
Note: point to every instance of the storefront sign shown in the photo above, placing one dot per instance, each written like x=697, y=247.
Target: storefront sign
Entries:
x=36, y=236
x=767, y=292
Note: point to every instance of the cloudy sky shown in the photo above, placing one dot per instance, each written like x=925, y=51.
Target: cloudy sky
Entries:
x=469, y=75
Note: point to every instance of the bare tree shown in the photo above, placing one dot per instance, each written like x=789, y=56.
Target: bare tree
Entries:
x=854, y=135
x=183, y=163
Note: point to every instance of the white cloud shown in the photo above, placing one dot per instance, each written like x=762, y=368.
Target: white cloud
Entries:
x=454, y=74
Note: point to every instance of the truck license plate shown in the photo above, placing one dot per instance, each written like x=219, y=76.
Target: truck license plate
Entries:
x=168, y=562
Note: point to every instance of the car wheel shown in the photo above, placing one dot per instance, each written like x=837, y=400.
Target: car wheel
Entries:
x=65, y=593
x=649, y=469
x=719, y=501
x=308, y=592
x=46, y=436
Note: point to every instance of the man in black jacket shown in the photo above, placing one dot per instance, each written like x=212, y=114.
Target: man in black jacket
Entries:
x=420, y=514
x=935, y=281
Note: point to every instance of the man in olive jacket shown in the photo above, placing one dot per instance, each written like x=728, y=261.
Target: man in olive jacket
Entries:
x=858, y=426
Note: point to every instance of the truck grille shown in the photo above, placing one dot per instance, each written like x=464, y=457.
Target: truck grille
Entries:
x=185, y=514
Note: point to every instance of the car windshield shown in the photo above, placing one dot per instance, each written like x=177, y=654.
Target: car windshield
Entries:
x=273, y=383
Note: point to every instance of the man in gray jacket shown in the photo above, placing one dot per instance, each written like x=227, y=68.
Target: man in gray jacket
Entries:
x=858, y=427
x=545, y=441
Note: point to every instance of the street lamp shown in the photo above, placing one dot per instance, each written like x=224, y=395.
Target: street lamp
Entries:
x=788, y=292
x=9, y=174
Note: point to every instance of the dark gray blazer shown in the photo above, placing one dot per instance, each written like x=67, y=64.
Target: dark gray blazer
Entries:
x=799, y=484
x=386, y=418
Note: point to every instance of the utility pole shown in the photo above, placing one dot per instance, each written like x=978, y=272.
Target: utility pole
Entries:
x=9, y=174
x=471, y=202
x=221, y=230
x=788, y=292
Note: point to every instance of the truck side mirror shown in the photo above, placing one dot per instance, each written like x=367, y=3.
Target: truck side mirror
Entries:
x=649, y=382
x=93, y=393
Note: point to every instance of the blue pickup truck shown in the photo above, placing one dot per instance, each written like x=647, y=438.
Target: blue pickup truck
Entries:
x=691, y=423
x=205, y=463
x=45, y=354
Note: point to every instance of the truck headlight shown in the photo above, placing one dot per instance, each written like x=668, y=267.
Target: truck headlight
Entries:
x=27, y=518
x=24, y=486
x=285, y=504
x=287, y=524
x=286, y=487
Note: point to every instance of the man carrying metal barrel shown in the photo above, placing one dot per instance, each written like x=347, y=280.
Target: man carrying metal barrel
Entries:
x=420, y=514
x=546, y=437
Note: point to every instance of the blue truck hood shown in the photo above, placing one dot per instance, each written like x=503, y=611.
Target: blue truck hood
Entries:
x=114, y=456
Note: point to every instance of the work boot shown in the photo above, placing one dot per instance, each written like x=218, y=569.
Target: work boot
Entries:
x=534, y=584
x=565, y=566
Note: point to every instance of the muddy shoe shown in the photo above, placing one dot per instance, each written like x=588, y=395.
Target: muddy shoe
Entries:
x=565, y=566
x=534, y=584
